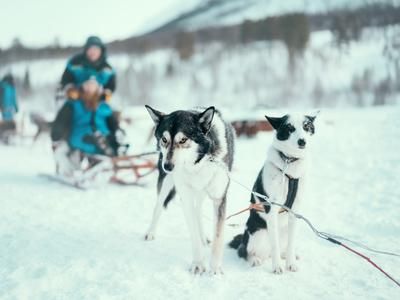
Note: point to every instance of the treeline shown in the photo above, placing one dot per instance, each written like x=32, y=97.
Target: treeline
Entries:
x=292, y=29
x=348, y=24
x=19, y=52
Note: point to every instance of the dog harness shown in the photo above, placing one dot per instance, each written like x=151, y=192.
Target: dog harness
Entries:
x=292, y=191
x=293, y=183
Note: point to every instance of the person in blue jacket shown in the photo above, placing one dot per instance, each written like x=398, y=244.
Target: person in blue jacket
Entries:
x=8, y=99
x=90, y=63
x=84, y=127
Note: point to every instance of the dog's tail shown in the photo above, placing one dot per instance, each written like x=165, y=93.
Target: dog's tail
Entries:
x=239, y=243
x=235, y=243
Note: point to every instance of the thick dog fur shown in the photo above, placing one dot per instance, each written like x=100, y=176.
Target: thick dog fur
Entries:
x=192, y=146
x=282, y=179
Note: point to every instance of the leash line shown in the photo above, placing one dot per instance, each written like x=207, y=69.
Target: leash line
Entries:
x=368, y=260
x=299, y=216
x=319, y=233
x=323, y=235
x=360, y=245
x=329, y=238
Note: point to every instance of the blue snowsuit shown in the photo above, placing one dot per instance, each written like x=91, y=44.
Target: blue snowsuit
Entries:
x=8, y=101
x=85, y=123
x=78, y=125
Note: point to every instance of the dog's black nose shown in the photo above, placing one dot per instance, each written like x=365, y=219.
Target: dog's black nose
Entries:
x=168, y=166
x=301, y=142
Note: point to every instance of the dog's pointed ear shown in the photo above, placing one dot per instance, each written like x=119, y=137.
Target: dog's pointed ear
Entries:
x=313, y=116
x=206, y=118
x=275, y=122
x=154, y=114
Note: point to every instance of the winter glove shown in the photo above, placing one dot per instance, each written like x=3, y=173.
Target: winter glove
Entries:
x=120, y=138
x=107, y=95
x=72, y=93
x=101, y=142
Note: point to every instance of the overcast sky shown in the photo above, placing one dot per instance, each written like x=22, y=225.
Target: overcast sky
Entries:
x=39, y=22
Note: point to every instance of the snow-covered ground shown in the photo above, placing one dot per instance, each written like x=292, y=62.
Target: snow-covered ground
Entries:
x=60, y=243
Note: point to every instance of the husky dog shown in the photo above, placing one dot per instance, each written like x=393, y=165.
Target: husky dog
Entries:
x=282, y=179
x=196, y=152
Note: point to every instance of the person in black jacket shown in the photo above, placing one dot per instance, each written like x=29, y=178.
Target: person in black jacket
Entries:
x=90, y=63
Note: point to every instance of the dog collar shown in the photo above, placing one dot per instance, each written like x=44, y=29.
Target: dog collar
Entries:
x=287, y=159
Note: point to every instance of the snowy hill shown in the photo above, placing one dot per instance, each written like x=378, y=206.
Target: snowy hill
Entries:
x=208, y=13
x=61, y=243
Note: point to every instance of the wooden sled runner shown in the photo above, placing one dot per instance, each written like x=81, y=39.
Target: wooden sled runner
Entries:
x=136, y=166
x=122, y=170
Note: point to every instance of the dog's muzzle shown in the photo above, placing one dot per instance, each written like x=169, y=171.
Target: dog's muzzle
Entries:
x=168, y=167
x=301, y=143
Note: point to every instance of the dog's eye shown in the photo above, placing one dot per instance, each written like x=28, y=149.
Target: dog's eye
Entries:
x=183, y=140
x=307, y=126
x=164, y=140
x=291, y=129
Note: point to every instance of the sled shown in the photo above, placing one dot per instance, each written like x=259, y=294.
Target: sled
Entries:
x=122, y=170
x=14, y=132
x=131, y=169
x=8, y=130
x=250, y=128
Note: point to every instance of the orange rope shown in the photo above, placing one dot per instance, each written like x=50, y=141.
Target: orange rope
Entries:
x=256, y=206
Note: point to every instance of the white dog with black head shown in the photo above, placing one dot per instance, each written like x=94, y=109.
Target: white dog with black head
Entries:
x=270, y=232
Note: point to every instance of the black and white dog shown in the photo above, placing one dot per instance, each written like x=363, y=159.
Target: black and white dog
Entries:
x=282, y=179
x=192, y=144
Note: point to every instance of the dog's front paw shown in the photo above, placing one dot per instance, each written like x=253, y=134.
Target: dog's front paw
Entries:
x=215, y=267
x=149, y=236
x=197, y=268
x=277, y=269
x=292, y=267
x=255, y=261
x=216, y=271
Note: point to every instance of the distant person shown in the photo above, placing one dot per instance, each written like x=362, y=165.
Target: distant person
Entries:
x=8, y=98
x=8, y=106
x=84, y=127
x=90, y=63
